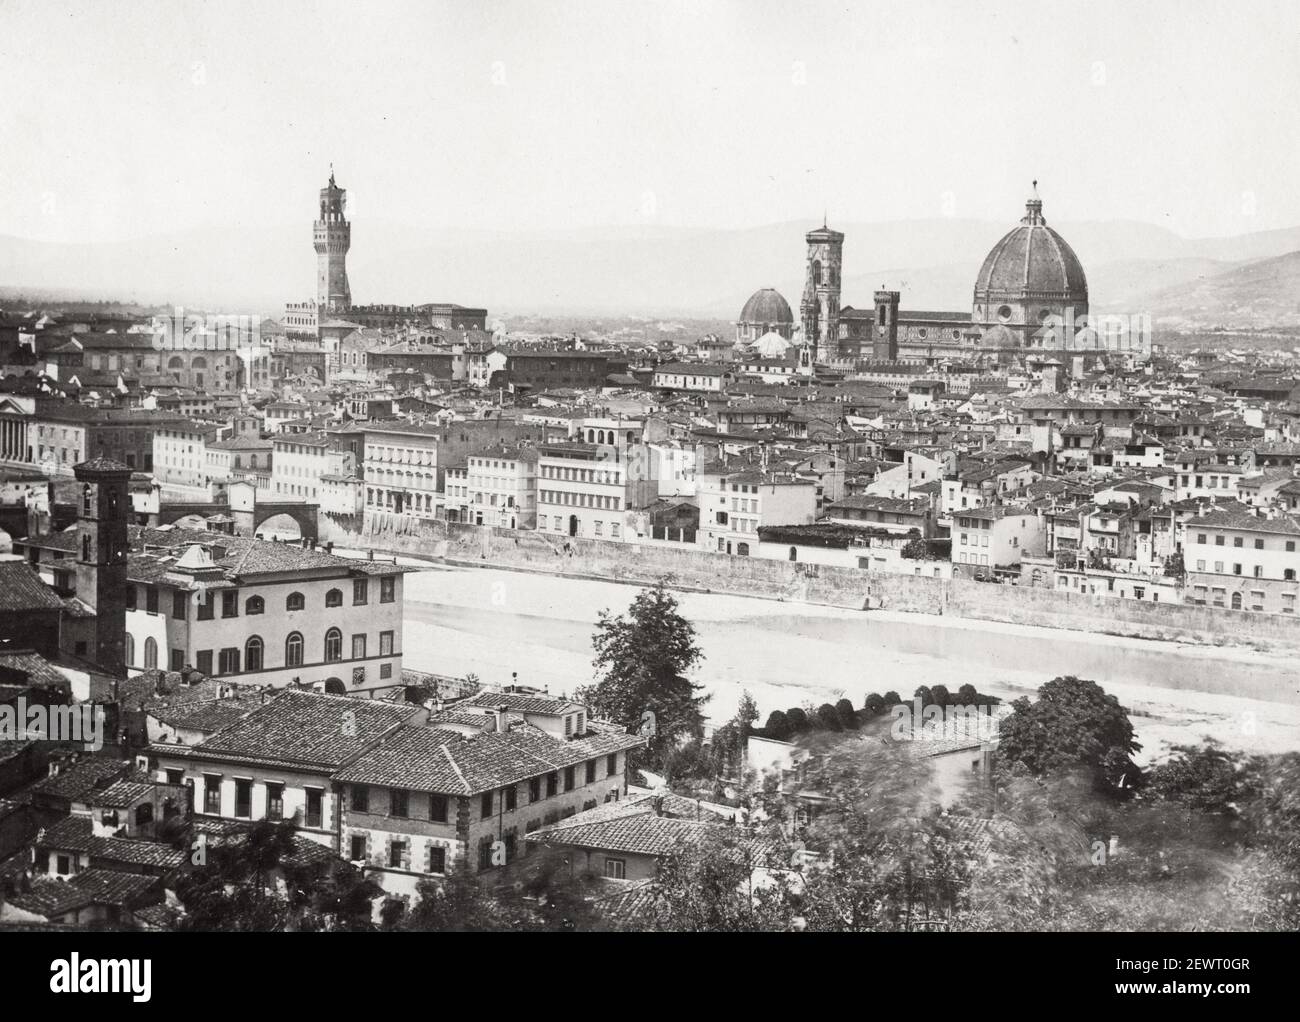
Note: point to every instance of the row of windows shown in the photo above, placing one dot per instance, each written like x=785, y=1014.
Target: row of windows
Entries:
x=1214, y=483
x=254, y=653
x=256, y=604
x=569, y=499
x=507, y=800
x=404, y=455
x=1239, y=541
x=1218, y=596
x=601, y=476
x=1288, y=574
x=615, y=529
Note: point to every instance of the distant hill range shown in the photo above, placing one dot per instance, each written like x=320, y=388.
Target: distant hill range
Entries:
x=1246, y=281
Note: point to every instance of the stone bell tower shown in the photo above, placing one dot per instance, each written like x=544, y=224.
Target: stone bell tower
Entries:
x=332, y=236
x=103, y=509
x=884, y=338
x=820, y=307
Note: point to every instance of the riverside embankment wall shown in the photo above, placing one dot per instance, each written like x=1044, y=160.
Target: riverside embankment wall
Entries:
x=690, y=568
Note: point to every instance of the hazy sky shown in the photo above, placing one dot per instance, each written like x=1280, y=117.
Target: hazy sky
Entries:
x=125, y=119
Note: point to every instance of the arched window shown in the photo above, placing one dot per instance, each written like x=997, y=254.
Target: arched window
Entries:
x=334, y=598
x=333, y=646
x=296, y=601
x=150, y=653
x=253, y=654
x=293, y=650
x=176, y=362
x=1236, y=601
x=255, y=605
x=130, y=650
x=794, y=553
x=199, y=362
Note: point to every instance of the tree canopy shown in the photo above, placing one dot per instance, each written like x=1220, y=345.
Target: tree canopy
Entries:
x=1073, y=721
x=643, y=657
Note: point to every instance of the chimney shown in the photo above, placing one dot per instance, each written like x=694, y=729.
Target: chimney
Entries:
x=499, y=716
x=658, y=803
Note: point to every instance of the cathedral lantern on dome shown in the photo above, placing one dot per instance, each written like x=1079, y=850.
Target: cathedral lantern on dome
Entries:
x=1031, y=291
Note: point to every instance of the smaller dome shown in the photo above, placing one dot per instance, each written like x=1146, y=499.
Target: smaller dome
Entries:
x=767, y=307
x=771, y=345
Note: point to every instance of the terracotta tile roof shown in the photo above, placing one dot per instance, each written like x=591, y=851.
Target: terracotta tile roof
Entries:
x=78, y=781
x=447, y=762
x=206, y=714
x=91, y=887
x=76, y=833
x=304, y=728
x=39, y=671
x=520, y=702
x=21, y=589
x=1224, y=519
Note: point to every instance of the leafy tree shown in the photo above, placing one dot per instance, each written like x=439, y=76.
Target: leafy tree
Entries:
x=461, y=904
x=798, y=720
x=1207, y=778
x=939, y=694
x=874, y=705
x=236, y=888
x=892, y=698
x=890, y=863
x=1275, y=811
x=644, y=656
x=1072, y=722
x=746, y=712
x=844, y=710
x=778, y=726
x=829, y=718
x=709, y=885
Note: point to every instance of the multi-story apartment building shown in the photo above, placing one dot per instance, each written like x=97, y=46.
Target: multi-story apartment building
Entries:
x=240, y=459
x=401, y=468
x=465, y=791
x=277, y=762
x=180, y=461
x=406, y=463
x=55, y=435
x=299, y=461
x=538, y=370
x=734, y=505
x=1242, y=561
x=996, y=537
x=263, y=613
x=406, y=795
x=278, y=413
x=497, y=486
x=582, y=490
x=708, y=378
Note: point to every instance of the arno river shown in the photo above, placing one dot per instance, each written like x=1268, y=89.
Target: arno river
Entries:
x=492, y=623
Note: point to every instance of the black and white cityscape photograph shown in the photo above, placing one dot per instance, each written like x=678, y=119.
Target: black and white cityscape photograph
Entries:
x=649, y=466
